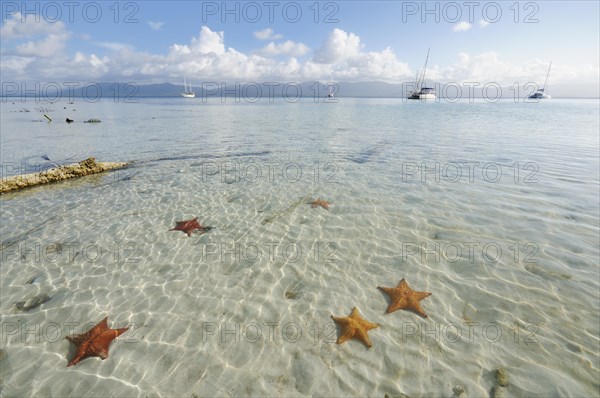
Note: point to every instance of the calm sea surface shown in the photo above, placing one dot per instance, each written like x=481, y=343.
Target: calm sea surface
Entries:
x=491, y=207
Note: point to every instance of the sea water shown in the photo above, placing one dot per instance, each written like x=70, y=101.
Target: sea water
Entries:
x=491, y=207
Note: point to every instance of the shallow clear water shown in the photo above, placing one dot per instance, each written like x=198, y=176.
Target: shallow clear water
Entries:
x=493, y=208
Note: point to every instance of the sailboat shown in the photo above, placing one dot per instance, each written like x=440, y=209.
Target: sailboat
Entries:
x=420, y=92
x=331, y=84
x=187, y=93
x=330, y=95
x=542, y=92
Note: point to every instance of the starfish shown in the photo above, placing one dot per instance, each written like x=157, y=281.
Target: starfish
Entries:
x=319, y=202
x=95, y=342
x=403, y=297
x=189, y=226
x=354, y=327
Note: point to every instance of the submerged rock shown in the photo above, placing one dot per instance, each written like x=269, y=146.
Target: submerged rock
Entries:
x=83, y=168
x=501, y=377
x=32, y=303
x=499, y=390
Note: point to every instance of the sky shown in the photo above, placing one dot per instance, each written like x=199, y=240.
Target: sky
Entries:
x=165, y=41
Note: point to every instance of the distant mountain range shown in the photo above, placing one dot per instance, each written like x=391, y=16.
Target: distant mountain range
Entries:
x=264, y=91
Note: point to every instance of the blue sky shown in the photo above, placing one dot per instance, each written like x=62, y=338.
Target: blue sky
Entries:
x=376, y=40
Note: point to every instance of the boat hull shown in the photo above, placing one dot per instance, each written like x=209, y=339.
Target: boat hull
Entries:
x=539, y=96
x=422, y=97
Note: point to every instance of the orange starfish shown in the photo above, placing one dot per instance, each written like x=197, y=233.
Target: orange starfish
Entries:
x=190, y=226
x=319, y=202
x=354, y=327
x=403, y=297
x=95, y=342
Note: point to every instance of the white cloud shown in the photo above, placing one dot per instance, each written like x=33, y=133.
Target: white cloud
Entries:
x=341, y=54
x=287, y=48
x=114, y=46
x=51, y=38
x=91, y=60
x=479, y=68
x=489, y=67
x=209, y=42
x=14, y=63
x=155, y=25
x=267, y=34
x=206, y=57
x=461, y=26
x=26, y=27
x=338, y=46
x=483, y=23
x=51, y=45
x=383, y=65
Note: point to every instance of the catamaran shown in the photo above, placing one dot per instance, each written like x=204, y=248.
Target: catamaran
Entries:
x=420, y=92
x=542, y=92
x=187, y=92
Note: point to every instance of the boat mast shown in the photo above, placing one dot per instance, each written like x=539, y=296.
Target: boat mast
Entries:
x=184, y=85
x=547, y=74
x=416, y=82
x=331, y=86
x=424, y=68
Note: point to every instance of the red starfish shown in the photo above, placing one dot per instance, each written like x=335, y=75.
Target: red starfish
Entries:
x=189, y=226
x=95, y=342
x=354, y=327
x=319, y=202
x=404, y=298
